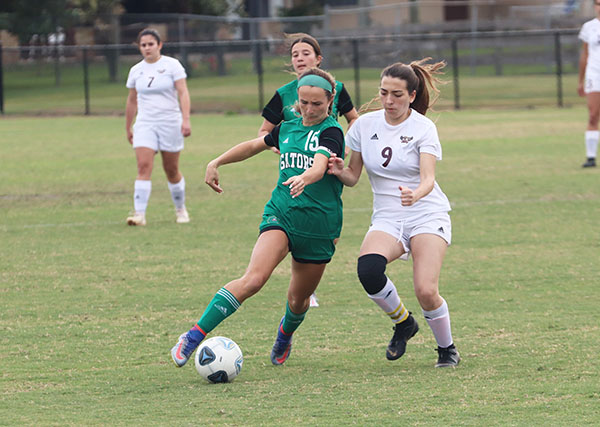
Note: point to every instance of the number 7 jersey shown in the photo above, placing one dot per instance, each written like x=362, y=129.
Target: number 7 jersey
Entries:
x=391, y=157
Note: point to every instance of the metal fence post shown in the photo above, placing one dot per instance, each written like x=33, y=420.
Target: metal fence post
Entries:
x=86, y=82
x=1, y=83
x=356, y=60
x=455, y=66
x=259, y=72
x=558, y=56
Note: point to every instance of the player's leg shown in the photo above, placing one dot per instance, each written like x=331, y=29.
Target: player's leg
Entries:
x=592, y=135
x=428, y=251
x=270, y=249
x=304, y=281
x=142, y=186
x=176, y=183
x=379, y=248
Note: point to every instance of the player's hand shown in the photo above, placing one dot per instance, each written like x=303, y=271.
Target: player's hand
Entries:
x=211, y=178
x=580, y=90
x=335, y=166
x=186, y=128
x=130, y=136
x=275, y=150
x=296, y=184
x=407, y=196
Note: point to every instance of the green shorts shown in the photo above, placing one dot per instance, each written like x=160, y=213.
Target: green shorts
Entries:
x=307, y=250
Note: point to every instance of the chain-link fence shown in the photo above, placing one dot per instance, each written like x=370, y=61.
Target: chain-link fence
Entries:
x=485, y=69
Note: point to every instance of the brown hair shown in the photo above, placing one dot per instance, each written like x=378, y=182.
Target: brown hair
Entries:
x=326, y=76
x=148, y=32
x=420, y=77
x=295, y=38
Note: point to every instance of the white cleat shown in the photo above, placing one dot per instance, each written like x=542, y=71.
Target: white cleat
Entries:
x=136, y=218
x=182, y=216
x=314, y=302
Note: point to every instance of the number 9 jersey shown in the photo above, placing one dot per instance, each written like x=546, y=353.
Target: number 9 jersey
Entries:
x=391, y=157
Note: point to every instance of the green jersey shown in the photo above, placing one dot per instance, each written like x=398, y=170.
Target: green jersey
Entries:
x=281, y=106
x=317, y=212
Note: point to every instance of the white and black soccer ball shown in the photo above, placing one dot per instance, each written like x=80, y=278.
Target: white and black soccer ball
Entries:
x=219, y=360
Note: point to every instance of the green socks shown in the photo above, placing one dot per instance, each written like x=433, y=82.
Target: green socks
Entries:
x=291, y=321
x=223, y=305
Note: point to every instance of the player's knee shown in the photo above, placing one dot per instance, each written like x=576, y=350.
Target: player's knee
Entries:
x=252, y=282
x=371, y=272
x=427, y=295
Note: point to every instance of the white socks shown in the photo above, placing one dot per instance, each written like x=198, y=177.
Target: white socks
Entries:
x=390, y=302
x=178, y=193
x=439, y=322
x=591, y=143
x=141, y=195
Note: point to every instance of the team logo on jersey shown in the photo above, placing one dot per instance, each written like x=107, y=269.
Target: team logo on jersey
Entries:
x=285, y=141
x=374, y=137
x=162, y=71
x=406, y=139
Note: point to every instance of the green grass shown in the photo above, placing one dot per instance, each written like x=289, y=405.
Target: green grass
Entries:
x=89, y=308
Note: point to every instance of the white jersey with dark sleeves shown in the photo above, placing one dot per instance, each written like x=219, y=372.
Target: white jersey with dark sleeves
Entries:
x=590, y=34
x=155, y=86
x=391, y=156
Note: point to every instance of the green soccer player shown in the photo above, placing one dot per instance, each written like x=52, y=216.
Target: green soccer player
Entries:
x=303, y=216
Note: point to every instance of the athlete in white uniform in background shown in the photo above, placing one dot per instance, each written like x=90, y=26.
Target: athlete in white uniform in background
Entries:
x=589, y=82
x=162, y=122
x=398, y=147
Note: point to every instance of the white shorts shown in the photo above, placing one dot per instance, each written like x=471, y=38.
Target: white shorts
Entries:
x=592, y=82
x=158, y=136
x=437, y=223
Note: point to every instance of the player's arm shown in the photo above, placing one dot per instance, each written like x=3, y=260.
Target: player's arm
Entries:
x=185, y=105
x=427, y=173
x=313, y=174
x=351, y=117
x=583, y=58
x=130, y=110
x=331, y=141
x=273, y=115
x=349, y=175
x=235, y=154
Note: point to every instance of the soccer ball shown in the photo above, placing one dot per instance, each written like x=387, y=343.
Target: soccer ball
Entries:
x=219, y=360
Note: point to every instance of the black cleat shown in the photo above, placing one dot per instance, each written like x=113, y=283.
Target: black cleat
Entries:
x=590, y=163
x=447, y=357
x=402, y=333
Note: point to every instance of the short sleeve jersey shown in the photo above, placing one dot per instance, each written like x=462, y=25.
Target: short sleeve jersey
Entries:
x=317, y=212
x=391, y=157
x=281, y=106
x=590, y=34
x=155, y=87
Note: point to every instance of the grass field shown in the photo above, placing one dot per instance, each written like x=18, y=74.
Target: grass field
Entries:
x=89, y=308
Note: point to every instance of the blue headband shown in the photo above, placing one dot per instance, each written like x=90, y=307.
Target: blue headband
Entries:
x=317, y=81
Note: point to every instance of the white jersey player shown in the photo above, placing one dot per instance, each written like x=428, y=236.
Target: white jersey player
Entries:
x=399, y=146
x=155, y=84
x=589, y=82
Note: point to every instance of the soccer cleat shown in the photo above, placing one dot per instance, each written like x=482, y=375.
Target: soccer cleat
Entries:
x=182, y=216
x=137, y=218
x=282, y=347
x=402, y=333
x=314, y=302
x=447, y=357
x=590, y=163
x=183, y=350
